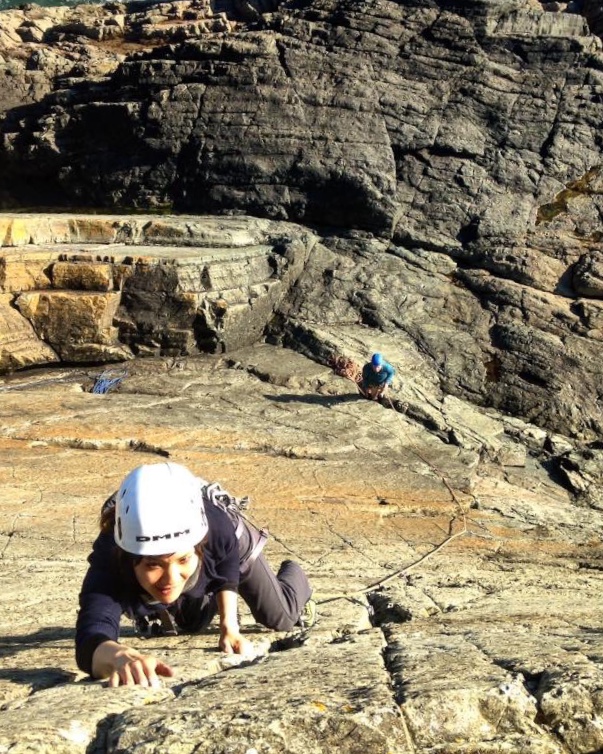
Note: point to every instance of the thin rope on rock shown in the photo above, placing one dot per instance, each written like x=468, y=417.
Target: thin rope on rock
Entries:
x=346, y=367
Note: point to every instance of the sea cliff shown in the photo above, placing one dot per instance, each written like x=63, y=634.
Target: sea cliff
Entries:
x=221, y=204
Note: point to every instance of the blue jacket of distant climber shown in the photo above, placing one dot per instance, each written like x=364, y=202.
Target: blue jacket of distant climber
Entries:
x=373, y=378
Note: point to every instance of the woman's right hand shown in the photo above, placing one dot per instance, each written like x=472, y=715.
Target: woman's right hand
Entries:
x=125, y=666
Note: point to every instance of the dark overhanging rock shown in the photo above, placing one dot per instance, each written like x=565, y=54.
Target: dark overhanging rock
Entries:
x=457, y=148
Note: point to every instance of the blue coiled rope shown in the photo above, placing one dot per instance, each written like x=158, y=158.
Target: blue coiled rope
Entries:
x=108, y=380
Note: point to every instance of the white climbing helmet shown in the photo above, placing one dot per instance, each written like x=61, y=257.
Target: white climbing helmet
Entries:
x=159, y=510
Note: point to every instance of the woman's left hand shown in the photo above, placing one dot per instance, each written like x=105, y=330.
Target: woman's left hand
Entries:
x=232, y=642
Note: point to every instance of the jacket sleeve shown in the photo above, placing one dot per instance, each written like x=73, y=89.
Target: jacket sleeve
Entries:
x=221, y=556
x=388, y=368
x=100, y=608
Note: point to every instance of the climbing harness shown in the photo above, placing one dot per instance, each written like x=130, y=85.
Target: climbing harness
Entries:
x=251, y=539
x=159, y=623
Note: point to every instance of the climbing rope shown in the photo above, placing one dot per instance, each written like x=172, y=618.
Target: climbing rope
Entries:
x=108, y=380
x=346, y=367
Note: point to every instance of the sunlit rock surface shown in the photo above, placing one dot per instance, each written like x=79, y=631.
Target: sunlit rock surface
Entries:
x=487, y=643
x=99, y=288
x=420, y=179
x=465, y=139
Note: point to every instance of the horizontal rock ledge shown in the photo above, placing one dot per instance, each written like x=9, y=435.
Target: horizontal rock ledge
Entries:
x=86, y=288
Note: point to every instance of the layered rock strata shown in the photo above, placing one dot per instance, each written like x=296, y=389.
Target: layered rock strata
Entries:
x=465, y=139
x=101, y=288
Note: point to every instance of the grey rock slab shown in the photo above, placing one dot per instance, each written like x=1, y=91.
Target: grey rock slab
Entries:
x=498, y=681
x=150, y=398
x=450, y=693
x=574, y=710
x=68, y=718
x=511, y=346
x=340, y=701
x=518, y=503
x=294, y=370
x=364, y=497
x=495, y=687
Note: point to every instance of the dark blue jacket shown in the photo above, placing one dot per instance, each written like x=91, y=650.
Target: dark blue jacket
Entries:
x=383, y=377
x=106, y=595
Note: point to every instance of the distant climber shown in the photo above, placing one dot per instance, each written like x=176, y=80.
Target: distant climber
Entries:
x=377, y=376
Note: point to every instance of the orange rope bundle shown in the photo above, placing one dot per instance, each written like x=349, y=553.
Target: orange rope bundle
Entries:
x=346, y=367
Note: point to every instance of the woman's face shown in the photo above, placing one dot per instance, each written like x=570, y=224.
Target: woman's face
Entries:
x=164, y=576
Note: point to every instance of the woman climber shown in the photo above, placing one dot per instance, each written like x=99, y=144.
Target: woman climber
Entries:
x=172, y=552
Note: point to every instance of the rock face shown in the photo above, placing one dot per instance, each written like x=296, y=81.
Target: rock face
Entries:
x=487, y=642
x=422, y=179
x=459, y=146
x=433, y=143
x=100, y=289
